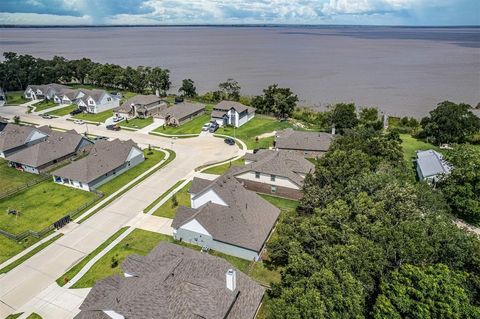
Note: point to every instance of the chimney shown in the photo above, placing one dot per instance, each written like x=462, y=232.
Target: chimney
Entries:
x=333, y=130
x=231, y=277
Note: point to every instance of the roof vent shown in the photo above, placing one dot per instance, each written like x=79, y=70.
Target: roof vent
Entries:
x=231, y=279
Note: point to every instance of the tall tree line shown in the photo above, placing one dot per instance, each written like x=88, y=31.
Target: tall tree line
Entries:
x=19, y=71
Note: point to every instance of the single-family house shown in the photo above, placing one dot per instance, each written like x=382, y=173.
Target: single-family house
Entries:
x=57, y=147
x=311, y=144
x=141, y=106
x=3, y=98
x=431, y=166
x=226, y=217
x=95, y=101
x=275, y=172
x=232, y=113
x=14, y=138
x=44, y=91
x=105, y=161
x=181, y=113
x=174, y=282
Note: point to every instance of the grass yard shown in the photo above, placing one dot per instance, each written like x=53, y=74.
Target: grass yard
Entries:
x=137, y=122
x=64, y=110
x=283, y=203
x=75, y=269
x=168, y=209
x=9, y=248
x=14, y=316
x=40, y=206
x=12, y=179
x=155, y=202
x=44, y=105
x=34, y=315
x=255, y=127
x=99, y=117
x=220, y=169
x=15, y=98
x=410, y=145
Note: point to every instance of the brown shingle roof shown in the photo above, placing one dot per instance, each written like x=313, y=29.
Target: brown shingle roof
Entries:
x=174, y=282
x=56, y=146
x=302, y=140
x=139, y=100
x=280, y=163
x=182, y=110
x=246, y=222
x=104, y=157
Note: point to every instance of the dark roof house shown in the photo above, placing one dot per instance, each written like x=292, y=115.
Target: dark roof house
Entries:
x=313, y=143
x=180, y=113
x=142, y=106
x=174, y=282
x=16, y=137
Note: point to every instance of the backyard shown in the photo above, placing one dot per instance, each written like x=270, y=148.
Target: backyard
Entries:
x=63, y=111
x=410, y=145
x=15, y=98
x=13, y=179
x=99, y=117
x=257, y=126
x=137, y=123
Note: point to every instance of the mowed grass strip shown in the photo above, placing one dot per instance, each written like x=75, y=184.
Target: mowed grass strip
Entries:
x=9, y=247
x=255, y=127
x=75, y=269
x=169, y=208
x=40, y=206
x=220, y=169
x=44, y=105
x=63, y=111
x=11, y=179
x=98, y=117
x=149, y=207
x=137, y=123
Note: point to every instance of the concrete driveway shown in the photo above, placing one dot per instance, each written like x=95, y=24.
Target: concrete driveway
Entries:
x=23, y=285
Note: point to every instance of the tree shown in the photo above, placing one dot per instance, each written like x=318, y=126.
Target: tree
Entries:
x=450, y=123
x=188, y=88
x=425, y=292
x=462, y=186
x=230, y=89
x=275, y=100
x=159, y=79
x=343, y=116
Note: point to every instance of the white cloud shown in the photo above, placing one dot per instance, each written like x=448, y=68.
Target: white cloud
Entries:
x=42, y=19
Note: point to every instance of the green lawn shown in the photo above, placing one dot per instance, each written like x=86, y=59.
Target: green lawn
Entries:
x=99, y=117
x=410, y=145
x=191, y=127
x=137, y=122
x=43, y=105
x=255, y=127
x=168, y=209
x=9, y=248
x=155, y=202
x=11, y=178
x=75, y=269
x=283, y=203
x=219, y=170
x=15, y=98
x=63, y=111
x=40, y=206
x=28, y=255
x=34, y=315
x=14, y=316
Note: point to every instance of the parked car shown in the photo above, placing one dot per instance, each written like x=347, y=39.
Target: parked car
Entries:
x=118, y=119
x=75, y=112
x=178, y=99
x=113, y=127
x=98, y=138
x=229, y=141
x=213, y=127
x=206, y=126
x=81, y=122
x=46, y=116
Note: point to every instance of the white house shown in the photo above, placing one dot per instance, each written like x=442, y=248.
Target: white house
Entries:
x=232, y=113
x=96, y=101
x=44, y=91
x=106, y=160
x=226, y=217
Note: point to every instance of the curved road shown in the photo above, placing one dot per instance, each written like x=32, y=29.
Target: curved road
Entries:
x=28, y=281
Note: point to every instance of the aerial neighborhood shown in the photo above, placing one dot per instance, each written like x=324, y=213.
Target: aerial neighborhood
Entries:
x=142, y=203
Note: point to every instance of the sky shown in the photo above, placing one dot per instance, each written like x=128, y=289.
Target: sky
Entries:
x=131, y=12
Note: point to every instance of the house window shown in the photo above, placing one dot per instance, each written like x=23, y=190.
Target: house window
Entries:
x=257, y=174
x=109, y=99
x=91, y=102
x=273, y=189
x=272, y=178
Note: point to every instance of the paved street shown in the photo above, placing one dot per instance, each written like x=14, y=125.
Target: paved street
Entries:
x=27, y=283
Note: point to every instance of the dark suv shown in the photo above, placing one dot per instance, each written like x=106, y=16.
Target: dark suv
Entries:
x=113, y=127
x=213, y=127
x=75, y=112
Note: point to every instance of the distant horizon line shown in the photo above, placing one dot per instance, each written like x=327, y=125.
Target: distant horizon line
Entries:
x=249, y=25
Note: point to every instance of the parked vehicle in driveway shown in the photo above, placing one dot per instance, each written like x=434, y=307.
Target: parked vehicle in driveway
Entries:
x=206, y=126
x=113, y=127
x=229, y=141
x=46, y=116
x=75, y=112
x=98, y=138
x=81, y=122
x=213, y=127
x=118, y=119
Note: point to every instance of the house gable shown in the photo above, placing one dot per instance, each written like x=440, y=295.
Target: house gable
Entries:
x=133, y=153
x=35, y=136
x=196, y=227
x=206, y=196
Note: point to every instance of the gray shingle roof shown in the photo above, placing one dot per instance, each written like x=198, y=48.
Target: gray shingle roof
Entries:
x=246, y=222
x=431, y=163
x=174, y=282
x=104, y=157
x=227, y=105
x=182, y=110
x=56, y=146
x=302, y=140
x=139, y=100
x=14, y=136
x=280, y=163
